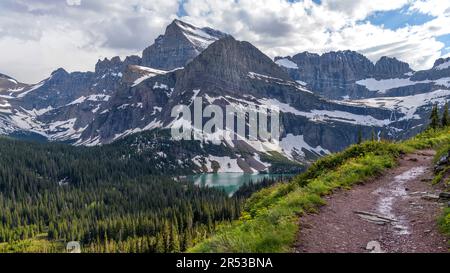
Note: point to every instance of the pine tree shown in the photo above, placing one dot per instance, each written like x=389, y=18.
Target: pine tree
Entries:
x=174, y=246
x=359, y=136
x=434, y=118
x=445, y=118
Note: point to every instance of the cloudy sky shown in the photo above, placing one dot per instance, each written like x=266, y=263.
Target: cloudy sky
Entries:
x=38, y=36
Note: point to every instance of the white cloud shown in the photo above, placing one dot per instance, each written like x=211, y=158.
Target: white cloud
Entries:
x=432, y=7
x=73, y=2
x=38, y=36
x=73, y=33
x=282, y=28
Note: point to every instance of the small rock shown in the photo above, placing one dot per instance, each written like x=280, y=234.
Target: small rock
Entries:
x=374, y=247
x=430, y=197
x=427, y=231
x=444, y=195
x=413, y=159
x=443, y=160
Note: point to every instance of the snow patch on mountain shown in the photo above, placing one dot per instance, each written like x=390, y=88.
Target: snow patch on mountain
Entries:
x=269, y=79
x=443, y=66
x=287, y=63
x=382, y=86
x=94, y=97
x=295, y=144
x=408, y=104
x=32, y=88
x=327, y=115
x=226, y=164
x=197, y=36
x=152, y=125
x=150, y=73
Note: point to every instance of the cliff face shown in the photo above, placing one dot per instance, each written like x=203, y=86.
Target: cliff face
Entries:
x=180, y=44
x=387, y=68
x=350, y=75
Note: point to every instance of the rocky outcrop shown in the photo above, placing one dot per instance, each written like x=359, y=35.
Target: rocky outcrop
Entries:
x=387, y=68
x=8, y=83
x=124, y=97
x=180, y=44
x=234, y=72
x=440, y=70
x=338, y=75
x=332, y=74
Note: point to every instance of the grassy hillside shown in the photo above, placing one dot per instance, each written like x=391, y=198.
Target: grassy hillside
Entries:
x=269, y=219
x=443, y=177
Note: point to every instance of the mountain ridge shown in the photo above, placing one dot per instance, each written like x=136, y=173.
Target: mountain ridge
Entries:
x=125, y=97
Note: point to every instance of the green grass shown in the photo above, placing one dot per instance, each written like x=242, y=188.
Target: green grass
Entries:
x=269, y=222
x=443, y=175
x=39, y=244
x=444, y=224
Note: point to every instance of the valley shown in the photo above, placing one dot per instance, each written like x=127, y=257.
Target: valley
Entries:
x=90, y=156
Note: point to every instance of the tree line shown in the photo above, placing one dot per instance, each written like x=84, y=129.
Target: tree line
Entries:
x=436, y=121
x=106, y=199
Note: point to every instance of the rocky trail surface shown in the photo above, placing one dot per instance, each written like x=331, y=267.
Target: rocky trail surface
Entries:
x=395, y=212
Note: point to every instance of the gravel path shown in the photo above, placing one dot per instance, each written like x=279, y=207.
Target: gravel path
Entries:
x=397, y=195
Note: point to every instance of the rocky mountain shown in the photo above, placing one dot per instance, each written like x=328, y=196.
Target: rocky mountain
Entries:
x=130, y=101
x=236, y=73
x=350, y=75
x=180, y=44
x=61, y=106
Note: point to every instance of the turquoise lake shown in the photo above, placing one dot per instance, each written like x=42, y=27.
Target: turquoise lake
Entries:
x=230, y=182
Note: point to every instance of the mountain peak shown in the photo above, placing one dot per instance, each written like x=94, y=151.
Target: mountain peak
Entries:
x=226, y=65
x=389, y=67
x=7, y=82
x=59, y=71
x=240, y=56
x=3, y=76
x=180, y=43
x=442, y=63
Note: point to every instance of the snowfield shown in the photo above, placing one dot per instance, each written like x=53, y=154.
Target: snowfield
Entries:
x=382, y=86
x=408, y=104
x=287, y=63
x=443, y=66
x=296, y=144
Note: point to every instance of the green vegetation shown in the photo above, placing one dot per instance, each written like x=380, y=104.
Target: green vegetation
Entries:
x=444, y=223
x=280, y=164
x=106, y=197
x=445, y=117
x=39, y=244
x=434, y=118
x=442, y=175
x=269, y=219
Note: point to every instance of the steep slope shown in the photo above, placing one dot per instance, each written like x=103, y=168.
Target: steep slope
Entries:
x=180, y=43
x=126, y=97
x=349, y=75
x=236, y=73
x=270, y=221
x=63, y=105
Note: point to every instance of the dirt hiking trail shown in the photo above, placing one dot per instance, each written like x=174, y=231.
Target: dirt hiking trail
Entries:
x=395, y=212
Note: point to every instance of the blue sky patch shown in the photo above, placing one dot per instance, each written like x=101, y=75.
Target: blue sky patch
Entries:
x=395, y=19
